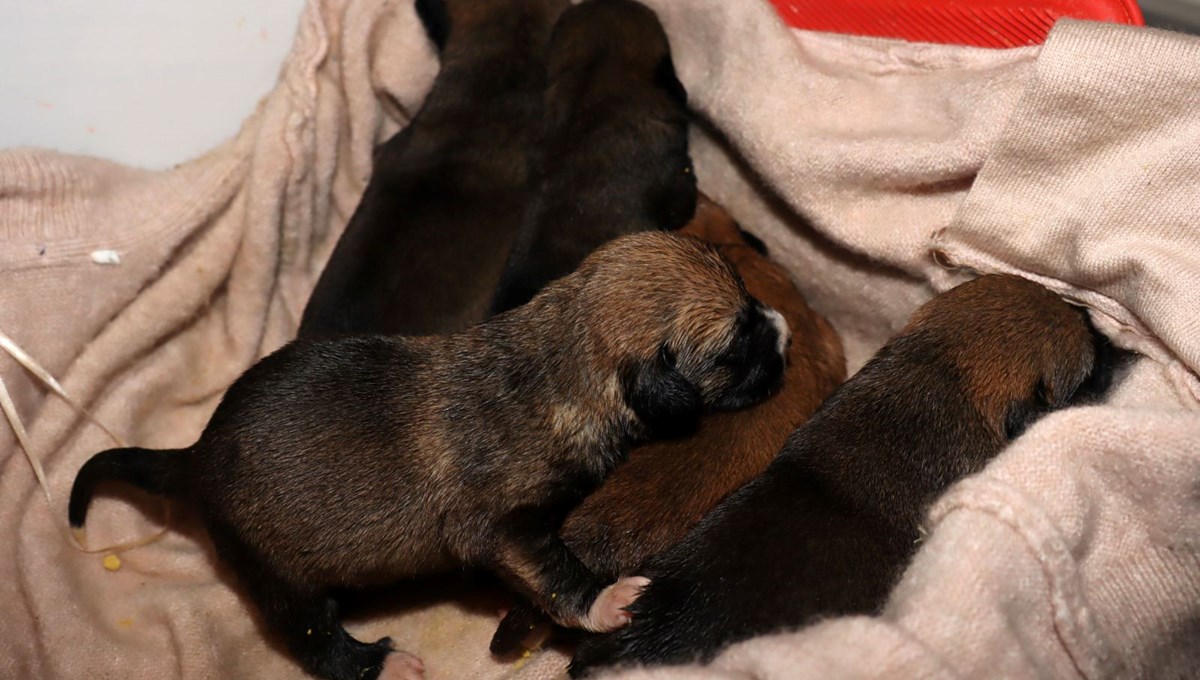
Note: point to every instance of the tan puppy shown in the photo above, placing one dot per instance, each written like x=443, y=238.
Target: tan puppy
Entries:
x=364, y=460
x=828, y=527
x=648, y=503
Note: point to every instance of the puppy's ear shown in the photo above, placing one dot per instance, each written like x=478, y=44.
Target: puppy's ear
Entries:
x=663, y=399
x=436, y=18
x=754, y=242
x=1070, y=382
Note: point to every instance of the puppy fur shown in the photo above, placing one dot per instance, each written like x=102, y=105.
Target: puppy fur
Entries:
x=649, y=502
x=828, y=527
x=612, y=158
x=426, y=246
x=367, y=459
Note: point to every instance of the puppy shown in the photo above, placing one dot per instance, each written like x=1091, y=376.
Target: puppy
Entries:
x=828, y=527
x=613, y=155
x=426, y=246
x=649, y=502
x=367, y=459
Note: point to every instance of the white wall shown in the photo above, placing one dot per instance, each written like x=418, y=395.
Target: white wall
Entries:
x=1180, y=15
x=146, y=82
x=156, y=82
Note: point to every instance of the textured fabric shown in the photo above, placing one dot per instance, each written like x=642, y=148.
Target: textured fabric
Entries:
x=1075, y=553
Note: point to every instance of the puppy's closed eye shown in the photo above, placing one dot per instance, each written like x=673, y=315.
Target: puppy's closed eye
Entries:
x=666, y=403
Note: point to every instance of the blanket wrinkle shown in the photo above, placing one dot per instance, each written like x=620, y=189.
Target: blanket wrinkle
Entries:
x=1072, y=618
x=1073, y=164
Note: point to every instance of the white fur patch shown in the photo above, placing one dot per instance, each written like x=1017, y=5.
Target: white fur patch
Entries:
x=781, y=325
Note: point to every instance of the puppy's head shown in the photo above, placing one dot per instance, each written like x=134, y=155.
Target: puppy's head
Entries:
x=460, y=18
x=624, y=38
x=673, y=316
x=820, y=353
x=1020, y=350
x=765, y=279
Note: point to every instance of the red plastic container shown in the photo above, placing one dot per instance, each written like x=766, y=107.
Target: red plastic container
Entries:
x=981, y=23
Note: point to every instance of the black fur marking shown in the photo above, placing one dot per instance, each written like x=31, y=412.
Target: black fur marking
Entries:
x=754, y=359
x=663, y=399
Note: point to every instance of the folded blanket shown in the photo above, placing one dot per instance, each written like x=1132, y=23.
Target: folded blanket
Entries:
x=867, y=166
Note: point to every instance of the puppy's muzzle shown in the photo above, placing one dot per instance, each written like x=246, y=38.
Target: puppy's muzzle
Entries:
x=762, y=374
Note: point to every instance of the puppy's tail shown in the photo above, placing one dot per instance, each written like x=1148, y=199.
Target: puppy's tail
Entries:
x=159, y=472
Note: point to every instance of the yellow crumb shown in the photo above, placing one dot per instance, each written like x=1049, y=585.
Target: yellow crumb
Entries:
x=125, y=623
x=520, y=663
x=553, y=596
x=310, y=631
x=111, y=562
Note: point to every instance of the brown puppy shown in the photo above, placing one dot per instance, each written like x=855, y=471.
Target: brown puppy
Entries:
x=368, y=459
x=426, y=246
x=612, y=157
x=828, y=527
x=649, y=502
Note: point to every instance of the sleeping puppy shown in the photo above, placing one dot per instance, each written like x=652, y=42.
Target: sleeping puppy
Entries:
x=613, y=154
x=828, y=527
x=368, y=459
x=649, y=502
x=425, y=248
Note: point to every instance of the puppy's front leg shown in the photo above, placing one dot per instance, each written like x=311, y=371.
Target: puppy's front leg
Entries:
x=536, y=561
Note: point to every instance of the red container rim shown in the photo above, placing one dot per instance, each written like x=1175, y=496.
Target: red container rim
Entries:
x=979, y=23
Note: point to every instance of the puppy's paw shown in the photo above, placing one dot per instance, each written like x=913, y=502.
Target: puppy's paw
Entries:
x=608, y=611
x=402, y=666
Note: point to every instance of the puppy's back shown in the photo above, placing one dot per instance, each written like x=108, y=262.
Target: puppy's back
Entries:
x=427, y=243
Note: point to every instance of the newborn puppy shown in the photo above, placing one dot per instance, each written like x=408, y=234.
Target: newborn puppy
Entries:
x=828, y=527
x=613, y=154
x=427, y=244
x=368, y=459
x=649, y=502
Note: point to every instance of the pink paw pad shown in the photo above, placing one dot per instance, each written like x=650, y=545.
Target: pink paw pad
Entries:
x=608, y=611
x=402, y=666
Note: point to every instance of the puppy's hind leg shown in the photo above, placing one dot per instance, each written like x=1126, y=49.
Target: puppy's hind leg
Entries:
x=307, y=622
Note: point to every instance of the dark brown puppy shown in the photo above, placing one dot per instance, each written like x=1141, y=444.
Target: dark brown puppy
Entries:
x=427, y=244
x=827, y=529
x=368, y=459
x=649, y=502
x=612, y=158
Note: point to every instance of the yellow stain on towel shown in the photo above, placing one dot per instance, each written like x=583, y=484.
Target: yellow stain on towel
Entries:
x=111, y=562
x=125, y=623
